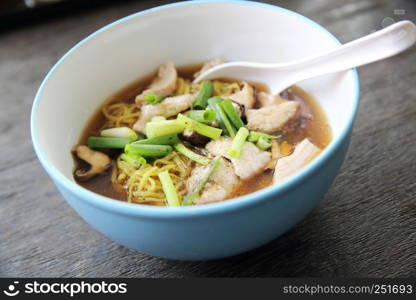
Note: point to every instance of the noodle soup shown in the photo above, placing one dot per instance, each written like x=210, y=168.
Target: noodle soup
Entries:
x=165, y=140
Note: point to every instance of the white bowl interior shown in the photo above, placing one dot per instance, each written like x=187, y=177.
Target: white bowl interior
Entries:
x=185, y=34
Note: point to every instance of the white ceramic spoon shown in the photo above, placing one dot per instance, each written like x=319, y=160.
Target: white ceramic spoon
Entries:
x=279, y=76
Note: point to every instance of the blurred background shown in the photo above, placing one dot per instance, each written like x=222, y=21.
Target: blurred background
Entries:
x=365, y=226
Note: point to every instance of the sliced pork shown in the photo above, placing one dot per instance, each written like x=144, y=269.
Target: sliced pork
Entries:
x=163, y=84
x=169, y=107
x=304, y=152
x=266, y=100
x=208, y=65
x=251, y=161
x=245, y=96
x=273, y=118
x=220, y=185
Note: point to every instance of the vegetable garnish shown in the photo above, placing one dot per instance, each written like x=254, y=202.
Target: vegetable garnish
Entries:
x=148, y=150
x=169, y=189
x=202, y=129
x=107, y=142
x=238, y=143
x=213, y=165
x=158, y=118
x=222, y=119
x=229, y=109
x=203, y=116
x=160, y=140
x=120, y=132
x=134, y=160
x=181, y=148
x=207, y=88
x=263, y=143
x=153, y=98
x=161, y=128
x=255, y=135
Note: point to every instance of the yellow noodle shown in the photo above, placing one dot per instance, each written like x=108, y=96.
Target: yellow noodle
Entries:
x=221, y=88
x=119, y=114
x=142, y=184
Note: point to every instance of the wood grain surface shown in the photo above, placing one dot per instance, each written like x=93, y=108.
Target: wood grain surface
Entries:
x=364, y=226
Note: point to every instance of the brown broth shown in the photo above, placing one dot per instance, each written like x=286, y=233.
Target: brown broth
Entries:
x=313, y=125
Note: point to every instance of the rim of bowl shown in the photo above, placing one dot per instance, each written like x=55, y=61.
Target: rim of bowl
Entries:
x=149, y=211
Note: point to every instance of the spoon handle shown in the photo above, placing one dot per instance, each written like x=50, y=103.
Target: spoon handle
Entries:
x=373, y=47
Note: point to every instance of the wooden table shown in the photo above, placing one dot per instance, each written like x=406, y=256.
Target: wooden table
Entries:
x=364, y=226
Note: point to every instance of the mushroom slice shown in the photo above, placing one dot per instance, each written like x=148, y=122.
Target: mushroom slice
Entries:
x=98, y=161
x=276, y=154
x=163, y=84
x=239, y=108
x=194, y=138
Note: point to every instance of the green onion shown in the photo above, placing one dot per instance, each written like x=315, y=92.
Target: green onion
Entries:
x=229, y=109
x=140, y=136
x=148, y=150
x=169, y=189
x=160, y=140
x=133, y=160
x=222, y=119
x=191, y=155
x=207, y=88
x=161, y=128
x=238, y=143
x=263, y=143
x=153, y=98
x=213, y=165
x=119, y=132
x=158, y=118
x=107, y=142
x=203, y=116
x=255, y=135
x=202, y=129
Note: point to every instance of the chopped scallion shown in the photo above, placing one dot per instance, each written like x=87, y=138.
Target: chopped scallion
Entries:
x=229, y=109
x=207, y=88
x=169, y=189
x=238, y=143
x=202, y=129
x=119, y=132
x=181, y=148
x=158, y=118
x=263, y=143
x=107, y=142
x=213, y=165
x=203, y=116
x=255, y=135
x=160, y=140
x=161, y=128
x=134, y=160
x=222, y=119
x=148, y=150
x=153, y=98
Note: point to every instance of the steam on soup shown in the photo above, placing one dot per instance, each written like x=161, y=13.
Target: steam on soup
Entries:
x=168, y=141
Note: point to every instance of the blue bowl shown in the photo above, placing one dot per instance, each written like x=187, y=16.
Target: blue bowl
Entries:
x=118, y=53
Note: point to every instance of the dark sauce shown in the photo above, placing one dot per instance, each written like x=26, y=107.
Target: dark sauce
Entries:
x=313, y=125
